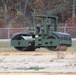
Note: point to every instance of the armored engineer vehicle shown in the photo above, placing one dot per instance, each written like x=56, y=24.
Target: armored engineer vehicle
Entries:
x=42, y=36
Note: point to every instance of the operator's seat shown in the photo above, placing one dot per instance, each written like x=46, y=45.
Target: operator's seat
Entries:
x=38, y=27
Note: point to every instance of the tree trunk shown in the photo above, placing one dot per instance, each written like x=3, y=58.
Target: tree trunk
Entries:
x=73, y=10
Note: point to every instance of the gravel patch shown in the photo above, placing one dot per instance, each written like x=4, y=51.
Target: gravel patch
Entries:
x=37, y=62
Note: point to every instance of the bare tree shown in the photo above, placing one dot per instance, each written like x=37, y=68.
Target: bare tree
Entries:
x=5, y=2
x=26, y=3
x=73, y=8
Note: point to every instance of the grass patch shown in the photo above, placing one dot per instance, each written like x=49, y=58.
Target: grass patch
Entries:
x=37, y=54
x=4, y=44
x=35, y=68
x=74, y=44
x=31, y=68
x=21, y=68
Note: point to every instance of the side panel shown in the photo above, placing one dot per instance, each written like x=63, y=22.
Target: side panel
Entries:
x=51, y=42
x=20, y=43
x=66, y=42
x=38, y=40
x=41, y=41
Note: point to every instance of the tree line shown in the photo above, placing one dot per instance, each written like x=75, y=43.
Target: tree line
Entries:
x=18, y=13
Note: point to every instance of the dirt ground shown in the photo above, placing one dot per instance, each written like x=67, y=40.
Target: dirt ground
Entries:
x=34, y=73
x=37, y=63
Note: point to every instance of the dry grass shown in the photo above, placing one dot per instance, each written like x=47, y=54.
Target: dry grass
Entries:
x=5, y=45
